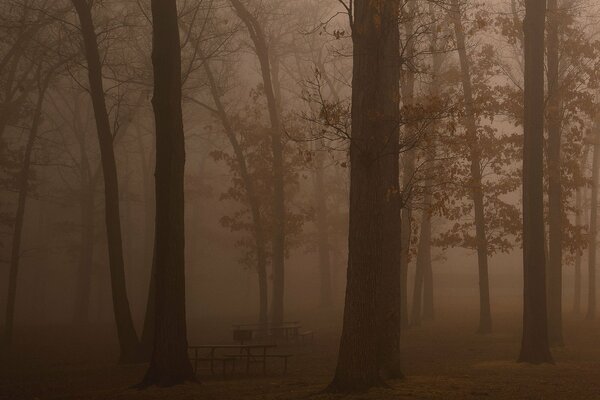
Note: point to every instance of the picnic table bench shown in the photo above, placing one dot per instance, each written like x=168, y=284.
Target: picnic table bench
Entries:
x=250, y=353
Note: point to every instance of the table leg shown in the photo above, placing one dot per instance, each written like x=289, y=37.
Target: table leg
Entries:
x=247, y=361
x=195, y=361
x=264, y=360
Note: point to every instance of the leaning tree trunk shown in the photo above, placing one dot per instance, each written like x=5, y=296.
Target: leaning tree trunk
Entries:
x=128, y=340
x=370, y=336
x=169, y=364
x=555, y=207
x=23, y=185
x=262, y=51
x=485, y=316
x=534, y=345
x=593, y=234
x=252, y=197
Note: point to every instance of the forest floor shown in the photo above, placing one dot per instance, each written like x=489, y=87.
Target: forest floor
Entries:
x=442, y=360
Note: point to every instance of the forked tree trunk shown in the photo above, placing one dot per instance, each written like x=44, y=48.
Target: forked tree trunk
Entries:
x=555, y=213
x=169, y=364
x=534, y=345
x=23, y=185
x=128, y=341
x=259, y=39
x=252, y=197
x=485, y=315
x=369, y=346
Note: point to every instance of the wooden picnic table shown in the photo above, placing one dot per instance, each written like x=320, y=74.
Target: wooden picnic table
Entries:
x=287, y=330
x=252, y=353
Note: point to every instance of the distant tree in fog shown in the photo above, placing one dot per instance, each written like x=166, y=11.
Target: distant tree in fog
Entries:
x=128, y=340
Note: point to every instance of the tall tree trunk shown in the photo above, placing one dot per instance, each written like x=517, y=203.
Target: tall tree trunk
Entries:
x=252, y=197
x=128, y=340
x=485, y=316
x=369, y=346
x=555, y=207
x=407, y=89
x=534, y=345
x=593, y=235
x=23, y=185
x=278, y=257
x=169, y=364
x=423, y=258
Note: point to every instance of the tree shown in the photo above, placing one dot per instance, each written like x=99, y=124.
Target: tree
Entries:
x=170, y=364
x=128, y=340
x=43, y=80
x=555, y=201
x=267, y=62
x=534, y=345
x=370, y=336
x=485, y=317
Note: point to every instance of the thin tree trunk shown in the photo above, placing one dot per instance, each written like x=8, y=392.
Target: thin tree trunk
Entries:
x=577, y=272
x=278, y=257
x=407, y=89
x=554, y=179
x=534, y=345
x=23, y=183
x=169, y=364
x=485, y=316
x=369, y=346
x=128, y=340
x=252, y=197
x=322, y=227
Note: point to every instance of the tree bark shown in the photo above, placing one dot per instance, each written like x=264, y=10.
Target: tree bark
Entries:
x=534, y=346
x=369, y=346
x=128, y=341
x=555, y=206
x=278, y=257
x=485, y=316
x=169, y=364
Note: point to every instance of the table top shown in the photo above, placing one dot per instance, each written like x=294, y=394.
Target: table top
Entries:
x=233, y=346
x=292, y=324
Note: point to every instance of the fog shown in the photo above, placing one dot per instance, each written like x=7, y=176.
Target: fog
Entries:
x=395, y=198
